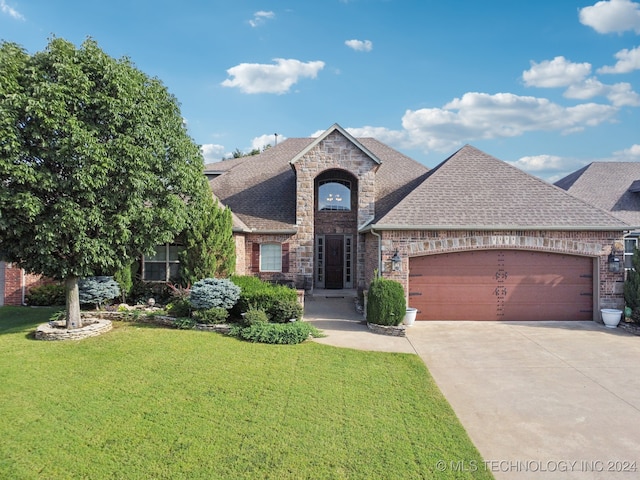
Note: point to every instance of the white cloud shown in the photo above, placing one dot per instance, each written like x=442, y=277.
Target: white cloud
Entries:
x=266, y=139
x=589, y=88
x=485, y=116
x=628, y=61
x=212, y=152
x=539, y=163
x=12, y=12
x=631, y=154
x=619, y=94
x=260, y=17
x=612, y=16
x=360, y=45
x=278, y=78
x=558, y=72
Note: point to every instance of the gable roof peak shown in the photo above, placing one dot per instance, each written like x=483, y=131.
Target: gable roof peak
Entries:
x=335, y=128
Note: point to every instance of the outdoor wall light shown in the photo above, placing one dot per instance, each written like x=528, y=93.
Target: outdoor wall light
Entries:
x=615, y=265
x=396, y=262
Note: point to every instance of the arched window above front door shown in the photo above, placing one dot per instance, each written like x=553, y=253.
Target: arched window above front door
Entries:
x=334, y=195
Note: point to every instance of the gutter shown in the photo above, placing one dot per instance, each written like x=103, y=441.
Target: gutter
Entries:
x=291, y=231
x=601, y=228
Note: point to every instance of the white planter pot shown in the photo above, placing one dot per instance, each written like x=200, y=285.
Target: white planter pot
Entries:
x=410, y=316
x=611, y=317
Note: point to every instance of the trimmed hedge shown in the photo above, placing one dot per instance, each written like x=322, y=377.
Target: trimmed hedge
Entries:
x=278, y=301
x=386, y=304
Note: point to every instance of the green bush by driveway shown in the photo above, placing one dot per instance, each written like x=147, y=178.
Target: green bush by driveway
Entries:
x=147, y=402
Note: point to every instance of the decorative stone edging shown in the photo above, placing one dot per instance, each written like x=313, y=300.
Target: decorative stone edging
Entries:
x=223, y=328
x=391, y=330
x=630, y=327
x=56, y=330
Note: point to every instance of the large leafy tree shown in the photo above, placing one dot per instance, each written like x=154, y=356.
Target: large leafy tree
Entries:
x=96, y=166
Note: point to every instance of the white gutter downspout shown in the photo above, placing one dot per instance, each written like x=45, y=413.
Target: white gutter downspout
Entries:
x=379, y=251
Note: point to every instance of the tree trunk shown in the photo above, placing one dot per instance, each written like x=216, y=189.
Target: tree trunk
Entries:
x=73, y=303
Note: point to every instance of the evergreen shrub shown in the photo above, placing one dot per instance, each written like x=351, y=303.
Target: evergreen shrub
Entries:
x=254, y=316
x=214, y=292
x=46, y=295
x=281, y=311
x=386, y=304
x=277, y=333
x=97, y=290
x=256, y=293
x=211, y=316
x=632, y=287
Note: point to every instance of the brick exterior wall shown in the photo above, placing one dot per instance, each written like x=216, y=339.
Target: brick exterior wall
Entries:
x=13, y=282
x=609, y=286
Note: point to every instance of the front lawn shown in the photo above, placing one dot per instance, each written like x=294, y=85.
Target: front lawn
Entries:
x=148, y=402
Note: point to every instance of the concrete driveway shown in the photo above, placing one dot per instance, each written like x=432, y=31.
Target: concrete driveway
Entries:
x=539, y=400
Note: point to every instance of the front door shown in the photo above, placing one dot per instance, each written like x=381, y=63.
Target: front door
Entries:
x=334, y=261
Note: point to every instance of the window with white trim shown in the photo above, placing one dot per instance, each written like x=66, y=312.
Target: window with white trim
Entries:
x=270, y=257
x=163, y=265
x=630, y=244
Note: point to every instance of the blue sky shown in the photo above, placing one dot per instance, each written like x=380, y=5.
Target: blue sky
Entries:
x=549, y=85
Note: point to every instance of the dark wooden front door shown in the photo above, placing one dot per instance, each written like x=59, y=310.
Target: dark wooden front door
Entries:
x=334, y=261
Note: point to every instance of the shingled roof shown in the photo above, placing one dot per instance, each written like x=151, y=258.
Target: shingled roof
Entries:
x=261, y=189
x=473, y=190
x=610, y=186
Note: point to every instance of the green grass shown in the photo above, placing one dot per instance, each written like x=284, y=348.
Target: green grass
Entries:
x=142, y=402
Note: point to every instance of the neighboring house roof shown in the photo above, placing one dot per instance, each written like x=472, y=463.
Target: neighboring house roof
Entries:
x=473, y=190
x=612, y=186
x=261, y=189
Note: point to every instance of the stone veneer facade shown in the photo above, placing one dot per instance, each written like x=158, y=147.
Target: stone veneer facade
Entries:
x=335, y=152
x=414, y=243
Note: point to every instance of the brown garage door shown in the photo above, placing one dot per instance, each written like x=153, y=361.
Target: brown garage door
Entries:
x=501, y=285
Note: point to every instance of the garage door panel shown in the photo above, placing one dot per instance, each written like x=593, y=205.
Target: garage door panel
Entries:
x=501, y=285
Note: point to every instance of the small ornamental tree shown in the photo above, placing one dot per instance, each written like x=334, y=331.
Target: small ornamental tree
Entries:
x=214, y=293
x=96, y=166
x=209, y=248
x=97, y=290
x=632, y=286
x=386, y=304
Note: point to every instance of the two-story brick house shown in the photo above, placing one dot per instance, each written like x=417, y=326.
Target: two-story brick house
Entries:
x=473, y=238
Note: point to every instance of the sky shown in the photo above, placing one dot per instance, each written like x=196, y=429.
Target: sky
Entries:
x=547, y=85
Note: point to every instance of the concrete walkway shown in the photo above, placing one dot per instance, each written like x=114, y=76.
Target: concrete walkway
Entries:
x=539, y=399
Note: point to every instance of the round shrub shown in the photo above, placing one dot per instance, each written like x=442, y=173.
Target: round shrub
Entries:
x=211, y=316
x=253, y=317
x=386, y=304
x=97, y=290
x=281, y=311
x=179, y=307
x=214, y=293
